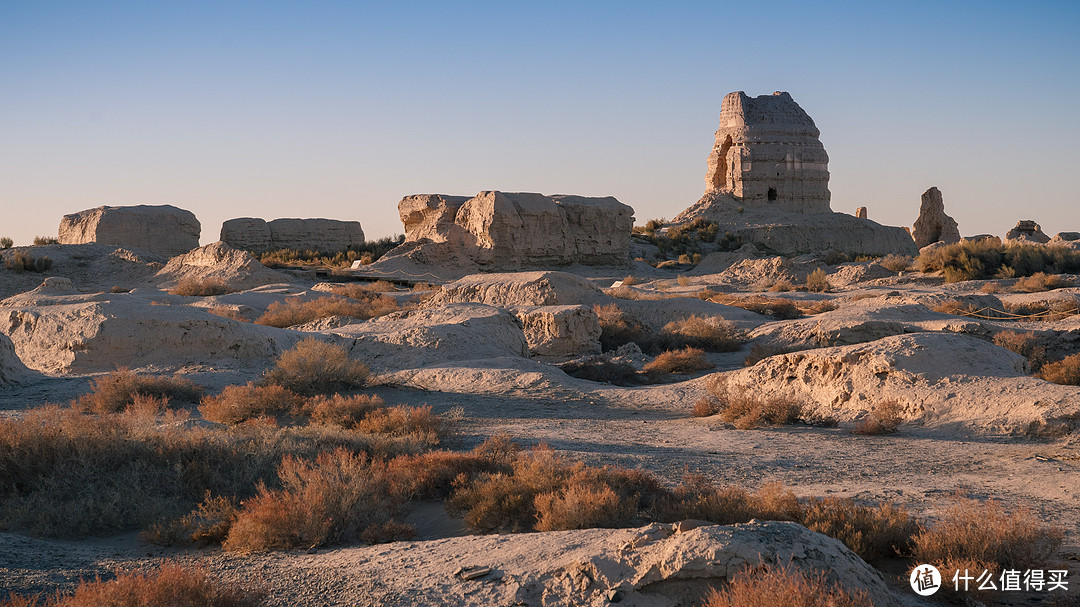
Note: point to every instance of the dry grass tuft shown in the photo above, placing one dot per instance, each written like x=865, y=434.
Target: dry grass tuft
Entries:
x=225, y=312
x=746, y=411
x=619, y=328
x=698, y=498
x=706, y=407
x=816, y=281
x=686, y=360
x=955, y=307
x=236, y=404
x=316, y=367
x=896, y=263
x=777, y=307
x=1039, y=281
x=119, y=390
x=1028, y=345
x=337, y=496
x=343, y=411
x=784, y=586
x=781, y=285
x=171, y=585
x=405, y=420
x=709, y=334
x=200, y=287
x=601, y=369
x=294, y=311
x=976, y=535
x=884, y=418
x=1065, y=372
x=871, y=531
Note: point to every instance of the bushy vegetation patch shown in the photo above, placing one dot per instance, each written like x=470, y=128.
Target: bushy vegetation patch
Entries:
x=989, y=258
x=20, y=262
x=116, y=391
x=313, y=366
x=1065, y=372
x=784, y=586
x=884, y=418
x=686, y=360
x=200, y=287
x=745, y=411
x=294, y=311
x=366, y=253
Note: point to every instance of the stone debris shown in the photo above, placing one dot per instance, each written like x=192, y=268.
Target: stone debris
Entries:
x=933, y=225
x=261, y=236
x=157, y=229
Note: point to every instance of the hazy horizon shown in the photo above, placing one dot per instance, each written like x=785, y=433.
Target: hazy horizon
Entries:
x=338, y=109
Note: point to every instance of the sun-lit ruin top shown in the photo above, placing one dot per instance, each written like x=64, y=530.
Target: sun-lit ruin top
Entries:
x=767, y=153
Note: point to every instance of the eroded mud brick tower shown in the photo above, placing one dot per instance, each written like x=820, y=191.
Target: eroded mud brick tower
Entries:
x=767, y=153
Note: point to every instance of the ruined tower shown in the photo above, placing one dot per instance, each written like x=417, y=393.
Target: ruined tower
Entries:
x=767, y=154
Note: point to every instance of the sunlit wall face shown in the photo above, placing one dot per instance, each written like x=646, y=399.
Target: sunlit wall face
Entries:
x=282, y=110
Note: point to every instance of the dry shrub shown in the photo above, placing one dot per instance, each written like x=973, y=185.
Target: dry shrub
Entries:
x=313, y=367
x=709, y=334
x=432, y=475
x=686, y=360
x=982, y=535
x=118, y=390
x=991, y=287
x=240, y=403
x=625, y=292
x=1065, y=372
x=404, y=420
x=200, y=287
x=781, y=285
x=955, y=307
x=171, y=585
x=630, y=281
x=784, y=586
x=761, y=351
x=987, y=258
x=230, y=313
x=1049, y=311
x=884, y=418
x=777, y=307
x=747, y=411
x=363, y=290
x=816, y=281
x=706, y=407
x=683, y=280
x=1028, y=345
x=602, y=369
x=294, y=311
x=871, y=531
x=618, y=328
x=896, y=263
x=1039, y=281
x=698, y=498
x=207, y=524
x=20, y=262
x=336, y=497
x=815, y=307
x=585, y=502
x=344, y=411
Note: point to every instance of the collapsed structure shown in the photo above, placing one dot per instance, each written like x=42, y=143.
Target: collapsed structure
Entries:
x=768, y=182
x=933, y=225
x=509, y=231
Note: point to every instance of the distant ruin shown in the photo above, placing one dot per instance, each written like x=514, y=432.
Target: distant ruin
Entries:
x=158, y=229
x=767, y=182
x=933, y=225
x=261, y=236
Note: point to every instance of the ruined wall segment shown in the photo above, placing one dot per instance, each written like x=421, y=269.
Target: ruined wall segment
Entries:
x=261, y=236
x=158, y=229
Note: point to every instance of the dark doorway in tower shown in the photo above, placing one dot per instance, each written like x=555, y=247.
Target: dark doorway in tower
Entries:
x=772, y=194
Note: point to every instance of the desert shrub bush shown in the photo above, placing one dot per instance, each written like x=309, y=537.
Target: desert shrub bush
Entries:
x=1065, y=372
x=872, y=531
x=777, y=307
x=118, y=390
x=199, y=287
x=778, y=286
x=366, y=253
x=362, y=290
x=336, y=496
x=955, y=307
x=224, y=312
x=762, y=350
x=294, y=311
x=618, y=328
x=45, y=240
x=235, y=404
x=706, y=407
x=817, y=281
x=602, y=369
x=1039, y=281
x=585, y=502
x=896, y=263
x=683, y=280
x=784, y=586
x=20, y=262
x=977, y=535
x=1052, y=310
x=989, y=258
x=696, y=497
x=316, y=367
x=709, y=334
x=1028, y=345
x=343, y=411
x=991, y=287
x=6, y=243
x=884, y=418
x=171, y=585
x=746, y=411
x=68, y=474
x=686, y=360
x=405, y=420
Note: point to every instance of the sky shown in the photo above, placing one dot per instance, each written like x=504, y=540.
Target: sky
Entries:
x=339, y=109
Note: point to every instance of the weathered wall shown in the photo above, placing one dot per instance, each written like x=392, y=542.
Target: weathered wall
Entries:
x=158, y=229
x=260, y=236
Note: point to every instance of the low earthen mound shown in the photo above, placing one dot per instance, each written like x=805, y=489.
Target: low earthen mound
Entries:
x=520, y=289
x=158, y=229
x=57, y=330
x=90, y=267
x=237, y=270
x=943, y=380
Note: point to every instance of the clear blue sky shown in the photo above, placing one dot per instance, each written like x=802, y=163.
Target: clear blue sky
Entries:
x=338, y=109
